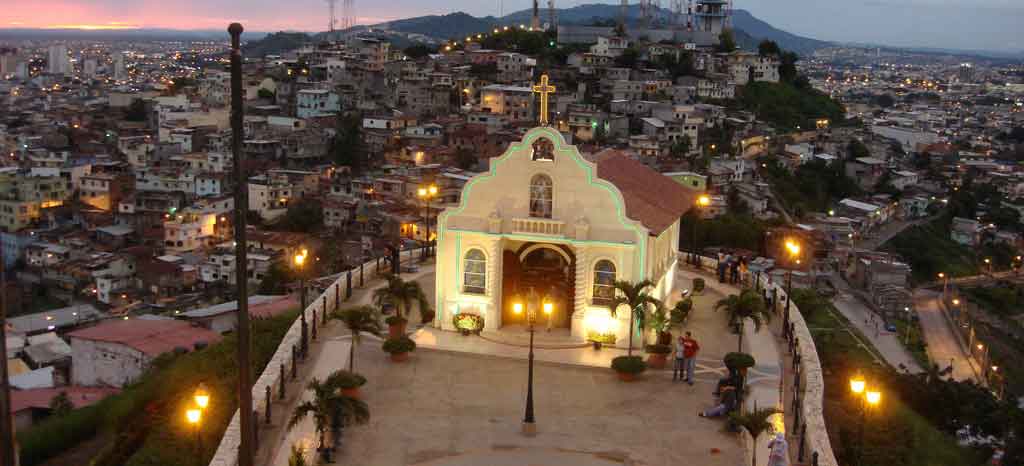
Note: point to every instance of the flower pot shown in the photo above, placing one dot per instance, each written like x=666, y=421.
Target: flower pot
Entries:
x=657, y=360
x=626, y=376
x=465, y=332
x=397, y=330
x=399, y=357
x=597, y=345
x=352, y=392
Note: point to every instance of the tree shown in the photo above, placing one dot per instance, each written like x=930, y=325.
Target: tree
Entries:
x=787, y=68
x=756, y=423
x=277, y=276
x=681, y=149
x=465, y=159
x=856, y=149
x=417, y=51
x=401, y=294
x=635, y=297
x=726, y=42
x=358, y=320
x=305, y=215
x=265, y=93
x=885, y=101
x=136, y=111
x=749, y=304
x=348, y=148
x=61, y=405
x=329, y=409
x=768, y=48
x=629, y=58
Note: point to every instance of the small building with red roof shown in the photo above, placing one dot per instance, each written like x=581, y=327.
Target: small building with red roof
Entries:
x=116, y=352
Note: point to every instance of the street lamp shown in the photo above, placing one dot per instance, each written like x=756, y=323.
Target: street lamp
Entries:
x=193, y=416
x=988, y=265
x=202, y=397
x=793, y=248
x=529, y=422
x=869, y=397
x=426, y=194
x=703, y=201
x=945, y=284
x=300, y=261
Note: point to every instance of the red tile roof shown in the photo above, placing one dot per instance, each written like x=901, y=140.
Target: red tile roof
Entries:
x=651, y=198
x=152, y=337
x=40, y=397
x=275, y=307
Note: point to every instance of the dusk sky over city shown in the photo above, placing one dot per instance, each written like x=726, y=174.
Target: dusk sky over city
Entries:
x=983, y=24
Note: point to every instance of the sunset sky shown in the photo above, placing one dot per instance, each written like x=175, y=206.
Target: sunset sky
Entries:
x=989, y=24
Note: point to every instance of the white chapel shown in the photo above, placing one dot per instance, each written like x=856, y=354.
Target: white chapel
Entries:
x=545, y=220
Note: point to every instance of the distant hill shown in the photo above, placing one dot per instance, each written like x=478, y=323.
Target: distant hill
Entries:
x=750, y=30
x=276, y=44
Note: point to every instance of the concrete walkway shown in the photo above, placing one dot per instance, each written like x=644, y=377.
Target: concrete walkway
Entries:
x=871, y=326
x=943, y=346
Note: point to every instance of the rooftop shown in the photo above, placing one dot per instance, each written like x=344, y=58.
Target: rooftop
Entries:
x=152, y=337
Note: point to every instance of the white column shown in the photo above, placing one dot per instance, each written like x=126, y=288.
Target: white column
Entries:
x=494, y=274
x=581, y=293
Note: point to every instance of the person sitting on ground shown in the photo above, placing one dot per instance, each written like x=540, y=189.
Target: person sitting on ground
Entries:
x=734, y=379
x=726, y=404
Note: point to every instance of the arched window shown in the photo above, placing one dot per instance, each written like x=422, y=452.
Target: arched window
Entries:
x=604, y=282
x=540, y=196
x=475, y=278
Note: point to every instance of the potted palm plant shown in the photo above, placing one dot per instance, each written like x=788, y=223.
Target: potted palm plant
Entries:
x=657, y=355
x=349, y=383
x=628, y=368
x=401, y=294
x=399, y=348
x=635, y=297
x=749, y=304
x=739, y=362
x=358, y=320
x=755, y=423
x=329, y=408
x=698, y=286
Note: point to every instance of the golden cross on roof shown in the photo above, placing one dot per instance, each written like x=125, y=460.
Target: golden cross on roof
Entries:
x=544, y=89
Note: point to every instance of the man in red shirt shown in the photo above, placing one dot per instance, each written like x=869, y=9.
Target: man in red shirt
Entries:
x=690, y=350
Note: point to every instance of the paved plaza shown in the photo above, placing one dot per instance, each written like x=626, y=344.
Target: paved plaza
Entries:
x=460, y=399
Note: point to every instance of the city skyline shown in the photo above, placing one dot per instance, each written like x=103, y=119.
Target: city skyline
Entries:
x=986, y=25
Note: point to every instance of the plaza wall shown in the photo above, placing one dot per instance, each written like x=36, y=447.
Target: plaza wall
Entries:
x=812, y=382
x=227, y=451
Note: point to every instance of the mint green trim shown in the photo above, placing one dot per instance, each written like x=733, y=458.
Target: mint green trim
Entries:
x=566, y=151
x=544, y=239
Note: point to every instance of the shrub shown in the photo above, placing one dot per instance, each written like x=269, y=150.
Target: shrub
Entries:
x=604, y=338
x=629, y=364
x=427, y=316
x=347, y=380
x=658, y=349
x=736, y=360
x=698, y=285
x=472, y=323
x=682, y=309
x=395, y=320
x=401, y=344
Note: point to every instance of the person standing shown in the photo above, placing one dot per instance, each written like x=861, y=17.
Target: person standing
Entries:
x=690, y=350
x=679, y=365
x=779, y=448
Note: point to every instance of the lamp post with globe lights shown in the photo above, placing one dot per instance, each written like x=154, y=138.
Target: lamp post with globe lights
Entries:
x=300, y=261
x=426, y=194
x=868, y=397
x=702, y=201
x=529, y=422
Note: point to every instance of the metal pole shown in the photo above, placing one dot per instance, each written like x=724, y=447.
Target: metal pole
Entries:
x=304, y=342
x=245, y=450
x=693, y=256
x=7, y=439
x=528, y=420
x=789, y=292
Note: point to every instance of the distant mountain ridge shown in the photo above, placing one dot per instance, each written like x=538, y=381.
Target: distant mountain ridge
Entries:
x=459, y=24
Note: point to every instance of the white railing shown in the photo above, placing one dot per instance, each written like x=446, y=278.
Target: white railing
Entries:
x=280, y=363
x=538, y=226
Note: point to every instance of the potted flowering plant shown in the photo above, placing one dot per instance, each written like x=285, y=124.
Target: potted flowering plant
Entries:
x=468, y=323
x=349, y=383
x=657, y=355
x=399, y=348
x=396, y=326
x=628, y=368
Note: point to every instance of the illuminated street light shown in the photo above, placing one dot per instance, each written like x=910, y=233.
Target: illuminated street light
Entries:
x=202, y=397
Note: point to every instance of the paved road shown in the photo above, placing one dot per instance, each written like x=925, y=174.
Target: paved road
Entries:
x=943, y=346
x=888, y=231
x=869, y=324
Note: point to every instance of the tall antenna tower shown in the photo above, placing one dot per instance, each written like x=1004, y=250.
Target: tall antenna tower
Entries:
x=348, y=14
x=553, y=15
x=330, y=6
x=535, y=21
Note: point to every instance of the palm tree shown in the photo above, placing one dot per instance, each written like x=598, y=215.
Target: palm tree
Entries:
x=748, y=304
x=635, y=296
x=755, y=422
x=329, y=408
x=401, y=294
x=358, y=320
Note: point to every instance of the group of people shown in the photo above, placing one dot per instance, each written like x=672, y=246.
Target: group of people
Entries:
x=728, y=393
x=686, y=359
x=731, y=267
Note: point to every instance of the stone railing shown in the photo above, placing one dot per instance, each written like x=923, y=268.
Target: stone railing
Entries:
x=538, y=226
x=279, y=370
x=810, y=444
